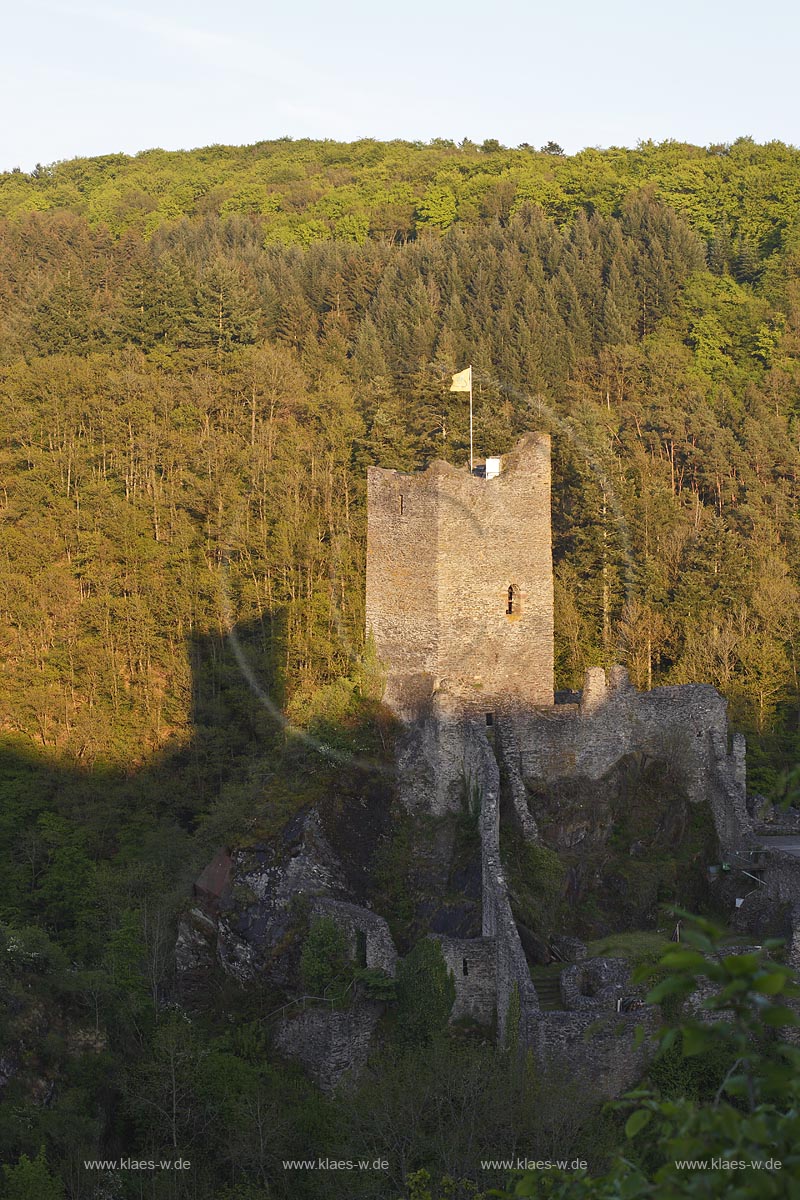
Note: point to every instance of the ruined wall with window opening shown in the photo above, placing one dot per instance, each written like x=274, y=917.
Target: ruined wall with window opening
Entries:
x=460, y=581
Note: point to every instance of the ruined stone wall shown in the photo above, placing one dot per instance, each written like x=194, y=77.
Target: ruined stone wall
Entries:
x=513, y=981
x=771, y=908
x=602, y=1053
x=495, y=535
x=472, y=962
x=430, y=757
x=509, y=759
x=401, y=606
x=793, y=947
x=781, y=876
x=449, y=761
x=685, y=726
x=353, y=920
x=331, y=1045
x=594, y=984
x=443, y=549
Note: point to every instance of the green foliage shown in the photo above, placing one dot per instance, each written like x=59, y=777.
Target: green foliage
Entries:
x=627, y=843
x=343, y=719
x=201, y=354
x=536, y=879
x=376, y=984
x=450, y=1104
x=30, y=950
x=325, y=966
x=641, y=947
x=675, y=1076
x=741, y=197
x=218, y=404
x=421, y=1186
x=396, y=882
x=425, y=993
x=30, y=1179
x=737, y=1118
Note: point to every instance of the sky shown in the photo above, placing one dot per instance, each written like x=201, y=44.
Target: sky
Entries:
x=97, y=78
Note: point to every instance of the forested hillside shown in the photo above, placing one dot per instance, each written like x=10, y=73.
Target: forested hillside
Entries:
x=743, y=196
x=200, y=355
x=189, y=406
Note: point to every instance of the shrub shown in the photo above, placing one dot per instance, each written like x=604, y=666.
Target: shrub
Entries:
x=377, y=985
x=325, y=966
x=30, y=1179
x=425, y=993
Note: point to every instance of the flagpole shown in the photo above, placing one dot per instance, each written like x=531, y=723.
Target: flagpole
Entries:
x=462, y=382
x=470, y=418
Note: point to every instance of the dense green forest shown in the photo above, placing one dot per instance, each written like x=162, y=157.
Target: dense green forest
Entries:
x=200, y=355
x=196, y=402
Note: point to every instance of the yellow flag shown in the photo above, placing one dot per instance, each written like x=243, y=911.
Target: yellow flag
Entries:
x=462, y=381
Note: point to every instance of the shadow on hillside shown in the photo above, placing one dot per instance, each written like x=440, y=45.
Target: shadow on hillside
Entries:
x=241, y=773
x=49, y=803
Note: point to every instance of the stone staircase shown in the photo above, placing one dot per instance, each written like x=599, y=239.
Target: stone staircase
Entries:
x=545, y=980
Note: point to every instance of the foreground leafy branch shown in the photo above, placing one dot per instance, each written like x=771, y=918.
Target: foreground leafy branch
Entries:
x=744, y=1141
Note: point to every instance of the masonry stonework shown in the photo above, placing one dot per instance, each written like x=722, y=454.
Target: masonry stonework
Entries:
x=472, y=964
x=332, y=1046
x=460, y=604
x=460, y=581
x=686, y=727
x=365, y=931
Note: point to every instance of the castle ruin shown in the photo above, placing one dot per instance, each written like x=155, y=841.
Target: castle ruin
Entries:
x=460, y=607
x=460, y=581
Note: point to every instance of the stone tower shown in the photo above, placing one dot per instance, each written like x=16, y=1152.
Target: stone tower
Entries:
x=460, y=582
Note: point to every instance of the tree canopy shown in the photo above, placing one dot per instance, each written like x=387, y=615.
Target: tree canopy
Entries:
x=200, y=355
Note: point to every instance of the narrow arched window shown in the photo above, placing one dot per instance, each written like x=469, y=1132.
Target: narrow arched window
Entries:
x=465, y=966
x=511, y=598
x=402, y=504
